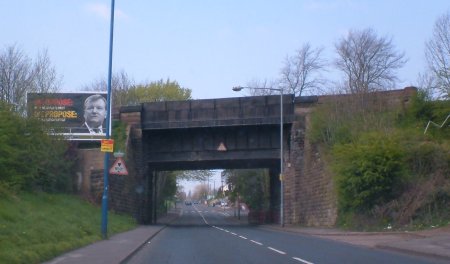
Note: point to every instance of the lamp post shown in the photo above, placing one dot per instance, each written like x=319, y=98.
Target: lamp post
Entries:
x=239, y=88
x=104, y=224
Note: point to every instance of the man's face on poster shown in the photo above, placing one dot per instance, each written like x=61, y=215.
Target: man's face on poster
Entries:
x=95, y=113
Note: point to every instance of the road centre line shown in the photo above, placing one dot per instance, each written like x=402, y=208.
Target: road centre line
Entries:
x=256, y=242
x=302, y=260
x=200, y=213
x=260, y=244
x=276, y=250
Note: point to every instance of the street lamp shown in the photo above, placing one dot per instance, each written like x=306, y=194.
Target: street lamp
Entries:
x=104, y=224
x=239, y=88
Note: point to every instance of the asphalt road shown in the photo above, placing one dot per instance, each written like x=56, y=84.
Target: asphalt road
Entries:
x=209, y=235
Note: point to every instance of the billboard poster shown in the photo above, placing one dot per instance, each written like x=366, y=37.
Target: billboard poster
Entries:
x=76, y=116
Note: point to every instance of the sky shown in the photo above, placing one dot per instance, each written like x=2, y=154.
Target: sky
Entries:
x=206, y=46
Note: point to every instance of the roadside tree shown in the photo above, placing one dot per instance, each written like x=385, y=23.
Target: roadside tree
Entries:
x=437, y=53
x=19, y=75
x=301, y=71
x=369, y=62
x=121, y=84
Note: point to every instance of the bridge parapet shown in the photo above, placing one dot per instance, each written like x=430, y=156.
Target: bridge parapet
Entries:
x=216, y=112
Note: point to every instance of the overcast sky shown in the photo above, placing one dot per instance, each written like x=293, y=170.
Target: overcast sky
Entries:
x=207, y=46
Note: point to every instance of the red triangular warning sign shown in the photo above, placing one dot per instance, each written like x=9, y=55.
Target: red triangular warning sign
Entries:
x=221, y=147
x=118, y=167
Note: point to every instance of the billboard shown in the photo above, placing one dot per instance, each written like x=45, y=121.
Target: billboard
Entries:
x=76, y=116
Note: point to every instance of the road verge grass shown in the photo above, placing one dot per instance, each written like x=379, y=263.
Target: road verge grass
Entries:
x=35, y=227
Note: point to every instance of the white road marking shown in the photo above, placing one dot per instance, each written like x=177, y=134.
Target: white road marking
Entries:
x=276, y=250
x=256, y=242
x=302, y=260
x=234, y=234
x=243, y=237
x=216, y=227
x=200, y=213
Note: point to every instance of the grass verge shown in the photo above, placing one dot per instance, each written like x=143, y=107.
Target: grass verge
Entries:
x=35, y=227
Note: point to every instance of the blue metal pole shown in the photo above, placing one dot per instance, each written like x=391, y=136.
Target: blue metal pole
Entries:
x=108, y=132
x=281, y=162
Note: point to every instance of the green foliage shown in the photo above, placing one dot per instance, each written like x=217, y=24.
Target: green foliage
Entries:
x=170, y=185
x=328, y=127
x=386, y=169
x=35, y=227
x=368, y=172
x=119, y=135
x=422, y=107
x=198, y=175
x=428, y=157
x=344, y=119
x=251, y=185
x=159, y=91
x=167, y=186
x=29, y=158
x=423, y=110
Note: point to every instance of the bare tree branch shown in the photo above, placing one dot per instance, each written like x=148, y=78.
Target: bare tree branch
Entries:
x=437, y=53
x=16, y=76
x=301, y=71
x=19, y=75
x=369, y=62
x=45, y=77
x=262, y=84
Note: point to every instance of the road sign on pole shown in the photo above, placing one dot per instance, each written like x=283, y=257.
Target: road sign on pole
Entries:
x=119, y=167
x=107, y=145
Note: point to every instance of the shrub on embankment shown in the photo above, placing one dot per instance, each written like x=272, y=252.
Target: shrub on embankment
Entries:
x=387, y=172
x=29, y=158
x=39, y=218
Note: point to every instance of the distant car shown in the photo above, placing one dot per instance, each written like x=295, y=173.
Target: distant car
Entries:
x=224, y=204
x=195, y=202
x=187, y=203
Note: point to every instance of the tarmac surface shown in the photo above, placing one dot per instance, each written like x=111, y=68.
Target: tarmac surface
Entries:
x=119, y=248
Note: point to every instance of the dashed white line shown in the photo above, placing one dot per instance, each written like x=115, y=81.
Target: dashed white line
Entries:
x=260, y=244
x=302, y=260
x=256, y=242
x=276, y=250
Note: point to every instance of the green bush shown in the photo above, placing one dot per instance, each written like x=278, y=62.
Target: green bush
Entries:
x=328, y=126
x=428, y=157
x=252, y=186
x=423, y=110
x=119, y=135
x=29, y=158
x=368, y=172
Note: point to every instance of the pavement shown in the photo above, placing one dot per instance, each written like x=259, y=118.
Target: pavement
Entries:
x=119, y=248
x=434, y=243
